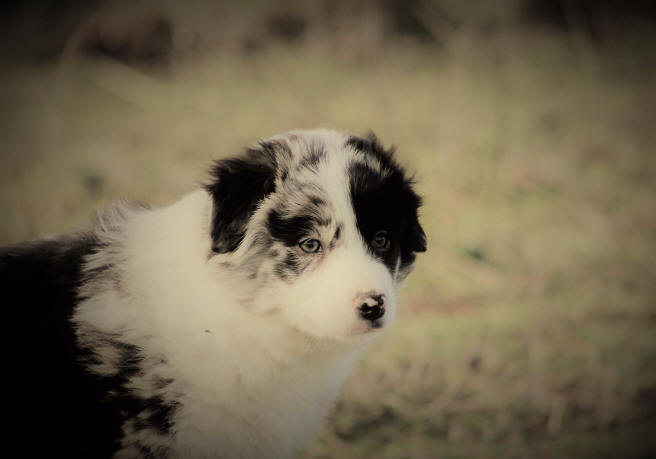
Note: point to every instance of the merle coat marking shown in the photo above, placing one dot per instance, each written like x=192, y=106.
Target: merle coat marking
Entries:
x=223, y=325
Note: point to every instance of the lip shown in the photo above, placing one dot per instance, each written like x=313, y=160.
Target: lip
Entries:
x=366, y=327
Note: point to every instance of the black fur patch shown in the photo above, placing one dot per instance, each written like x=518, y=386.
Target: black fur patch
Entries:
x=158, y=412
x=55, y=407
x=385, y=201
x=288, y=268
x=238, y=186
x=289, y=230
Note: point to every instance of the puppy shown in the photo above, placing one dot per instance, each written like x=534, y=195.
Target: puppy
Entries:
x=221, y=326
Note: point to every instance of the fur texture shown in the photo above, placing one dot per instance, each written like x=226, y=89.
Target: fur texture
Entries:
x=221, y=326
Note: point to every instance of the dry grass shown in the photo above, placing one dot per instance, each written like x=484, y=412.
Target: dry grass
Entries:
x=527, y=328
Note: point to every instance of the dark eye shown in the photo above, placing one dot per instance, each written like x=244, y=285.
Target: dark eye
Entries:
x=381, y=240
x=310, y=245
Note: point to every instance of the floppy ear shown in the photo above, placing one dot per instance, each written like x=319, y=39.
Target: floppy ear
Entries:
x=238, y=186
x=414, y=238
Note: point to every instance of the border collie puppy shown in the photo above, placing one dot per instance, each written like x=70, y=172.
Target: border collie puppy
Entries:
x=221, y=326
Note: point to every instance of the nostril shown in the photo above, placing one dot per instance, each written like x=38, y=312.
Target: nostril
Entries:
x=380, y=299
x=371, y=312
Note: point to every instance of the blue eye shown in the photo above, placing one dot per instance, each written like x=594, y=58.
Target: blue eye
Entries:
x=310, y=245
x=381, y=241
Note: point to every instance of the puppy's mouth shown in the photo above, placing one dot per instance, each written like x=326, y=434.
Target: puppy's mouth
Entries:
x=367, y=327
x=378, y=323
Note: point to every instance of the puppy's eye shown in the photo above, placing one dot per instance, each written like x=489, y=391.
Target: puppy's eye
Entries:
x=381, y=240
x=310, y=245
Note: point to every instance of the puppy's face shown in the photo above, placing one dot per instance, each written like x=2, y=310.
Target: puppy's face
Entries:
x=322, y=227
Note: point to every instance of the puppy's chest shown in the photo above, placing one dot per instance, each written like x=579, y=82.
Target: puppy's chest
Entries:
x=274, y=420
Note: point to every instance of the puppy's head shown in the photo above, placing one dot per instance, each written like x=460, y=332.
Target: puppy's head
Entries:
x=322, y=227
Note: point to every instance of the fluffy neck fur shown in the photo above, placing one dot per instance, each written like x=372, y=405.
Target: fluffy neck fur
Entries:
x=240, y=383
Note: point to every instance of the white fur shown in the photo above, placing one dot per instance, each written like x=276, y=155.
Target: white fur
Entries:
x=254, y=369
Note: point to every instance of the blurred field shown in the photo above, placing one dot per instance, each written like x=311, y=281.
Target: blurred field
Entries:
x=527, y=329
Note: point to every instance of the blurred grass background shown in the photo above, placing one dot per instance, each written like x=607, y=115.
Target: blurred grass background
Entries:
x=527, y=329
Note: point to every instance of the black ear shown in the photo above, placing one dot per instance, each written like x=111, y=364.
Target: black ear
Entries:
x=238, y=186
x=414, y=238
x=417, y=237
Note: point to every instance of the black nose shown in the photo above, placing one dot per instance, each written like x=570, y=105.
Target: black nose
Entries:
x=373, y=307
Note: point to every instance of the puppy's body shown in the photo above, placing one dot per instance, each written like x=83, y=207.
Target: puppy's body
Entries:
x=221, y=326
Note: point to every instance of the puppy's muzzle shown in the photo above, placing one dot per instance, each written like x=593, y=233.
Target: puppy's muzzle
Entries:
x=372, y=308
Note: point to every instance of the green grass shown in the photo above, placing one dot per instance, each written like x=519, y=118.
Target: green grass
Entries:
x=527, y=329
